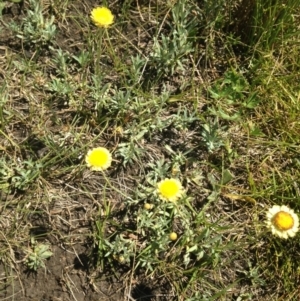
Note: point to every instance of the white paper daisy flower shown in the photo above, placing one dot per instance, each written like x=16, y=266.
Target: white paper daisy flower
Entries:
x=282, y=221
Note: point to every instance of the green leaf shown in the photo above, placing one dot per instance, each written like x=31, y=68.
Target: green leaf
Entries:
x=226, y=177
x=46, y=254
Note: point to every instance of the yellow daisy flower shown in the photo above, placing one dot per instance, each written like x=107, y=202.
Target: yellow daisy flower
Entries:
x=98, y=158
x=282, y=221
x=102, y=17
x=170, y=190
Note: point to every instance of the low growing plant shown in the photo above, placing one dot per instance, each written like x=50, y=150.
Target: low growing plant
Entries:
x=37, y=255
x=35, y=29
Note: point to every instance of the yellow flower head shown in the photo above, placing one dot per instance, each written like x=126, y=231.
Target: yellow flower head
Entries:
x=282, y=221
x=173, y=236
x=98, y=158
x=102, y=17
x=170, y=190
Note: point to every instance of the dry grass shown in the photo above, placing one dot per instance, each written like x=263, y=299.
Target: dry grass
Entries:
x=216, y=106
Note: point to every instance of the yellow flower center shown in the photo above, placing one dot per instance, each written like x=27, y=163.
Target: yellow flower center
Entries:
x=98, y=157
x=283, y=221
x=169, y=188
